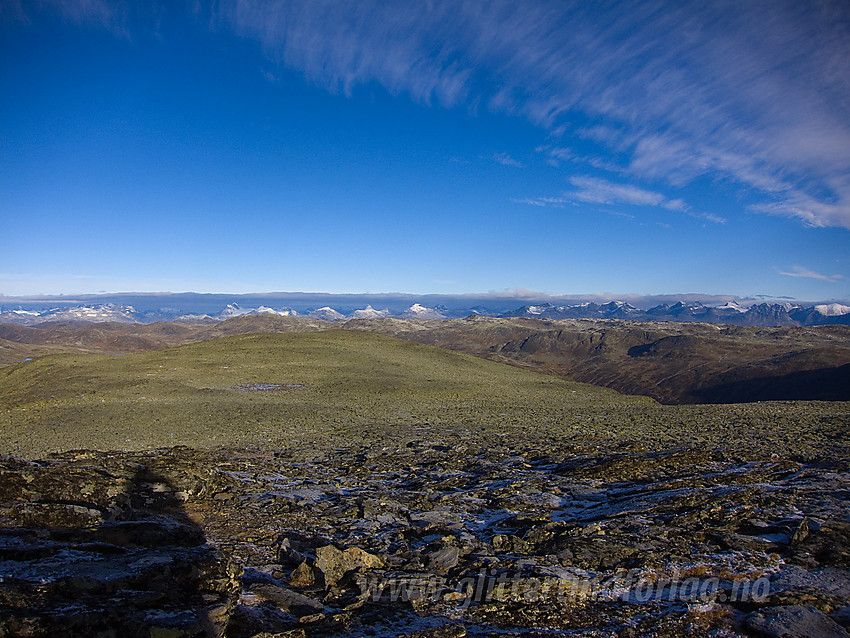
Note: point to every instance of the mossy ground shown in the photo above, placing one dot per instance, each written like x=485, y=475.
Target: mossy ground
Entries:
x=362, y=389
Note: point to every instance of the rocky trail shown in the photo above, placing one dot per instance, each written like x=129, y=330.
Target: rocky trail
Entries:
x=423, y=539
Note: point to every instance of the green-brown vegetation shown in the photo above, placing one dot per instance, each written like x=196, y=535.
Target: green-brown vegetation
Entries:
x=274, y=468
x=355, y=387
x=194, y=394
x=674, y=363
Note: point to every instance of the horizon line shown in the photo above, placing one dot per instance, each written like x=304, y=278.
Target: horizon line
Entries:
x=519, y=294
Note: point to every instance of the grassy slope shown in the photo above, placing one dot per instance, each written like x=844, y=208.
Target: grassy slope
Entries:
x=357, y=381
x=671, y=362
x=364, y=389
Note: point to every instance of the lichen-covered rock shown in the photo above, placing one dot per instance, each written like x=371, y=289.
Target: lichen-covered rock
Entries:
x=88, y=550
x=444, y=559
x=334, y=563
x=420, y=538
x=304, y=576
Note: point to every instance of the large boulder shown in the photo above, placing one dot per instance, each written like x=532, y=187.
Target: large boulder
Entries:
x=335, y=563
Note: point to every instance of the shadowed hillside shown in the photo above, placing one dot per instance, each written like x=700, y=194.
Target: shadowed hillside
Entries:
x=672, y=363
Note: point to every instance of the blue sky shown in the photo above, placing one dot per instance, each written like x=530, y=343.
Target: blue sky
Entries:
x=439, y=147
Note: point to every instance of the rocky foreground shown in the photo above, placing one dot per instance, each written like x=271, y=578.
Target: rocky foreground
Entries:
x=424, y=538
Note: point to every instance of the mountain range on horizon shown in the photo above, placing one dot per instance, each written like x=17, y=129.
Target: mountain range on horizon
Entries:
x=735, y=312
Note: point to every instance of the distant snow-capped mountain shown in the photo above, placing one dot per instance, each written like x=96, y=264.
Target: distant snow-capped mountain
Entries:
x=233, y=310
x=731, y=306
x=618, y=310
x=23, y=314
x=89, y=314
x=418, y=311
x=589, y=310
x=327, y=314
x=538, y=310
x=730, y=312
x=369, y=313
x=821, y=314
x=832, y=310
x=763, y=314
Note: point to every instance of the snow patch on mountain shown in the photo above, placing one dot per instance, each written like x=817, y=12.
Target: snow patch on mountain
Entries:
x=234, y=310
x=618, y=308
x=731, y=306
x=91, y=314
x=832, y=309
x=326, y=314
x=369, y=313
x=720, y=311
x=265, y=310
x=418, y=311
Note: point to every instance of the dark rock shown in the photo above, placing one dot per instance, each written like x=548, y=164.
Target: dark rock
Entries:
x=120, y=557
x=842, y=616
x=57, y=515
x=794, y=621
x=801, y=532
x=446, y=631
x=443, y=559
x=288, y=600
x=508, y=543
x=394, y=540
x=304, y=576
x=334, y=563
x=287, y=554
x=830, y=545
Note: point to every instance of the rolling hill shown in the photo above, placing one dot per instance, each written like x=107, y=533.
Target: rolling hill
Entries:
x=276, y=389
x=673, y=363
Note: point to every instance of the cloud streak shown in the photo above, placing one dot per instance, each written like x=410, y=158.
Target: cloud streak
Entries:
x=755, y=93
x=805, y=273
x=505, y=160
x=599, y=191
x=403, y=46
x=112, y=15
x=592, y=190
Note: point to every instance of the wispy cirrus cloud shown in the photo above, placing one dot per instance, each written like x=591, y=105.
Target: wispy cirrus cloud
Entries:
x=805, y=273
x=112, y=15
x=592, y=190
x=544, y=202
x=406, y=47
x=600, y=191
x=505, y=160
x=754, y=93
x=556, y=154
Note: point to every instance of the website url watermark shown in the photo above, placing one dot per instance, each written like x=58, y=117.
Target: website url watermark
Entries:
x=628, y=586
